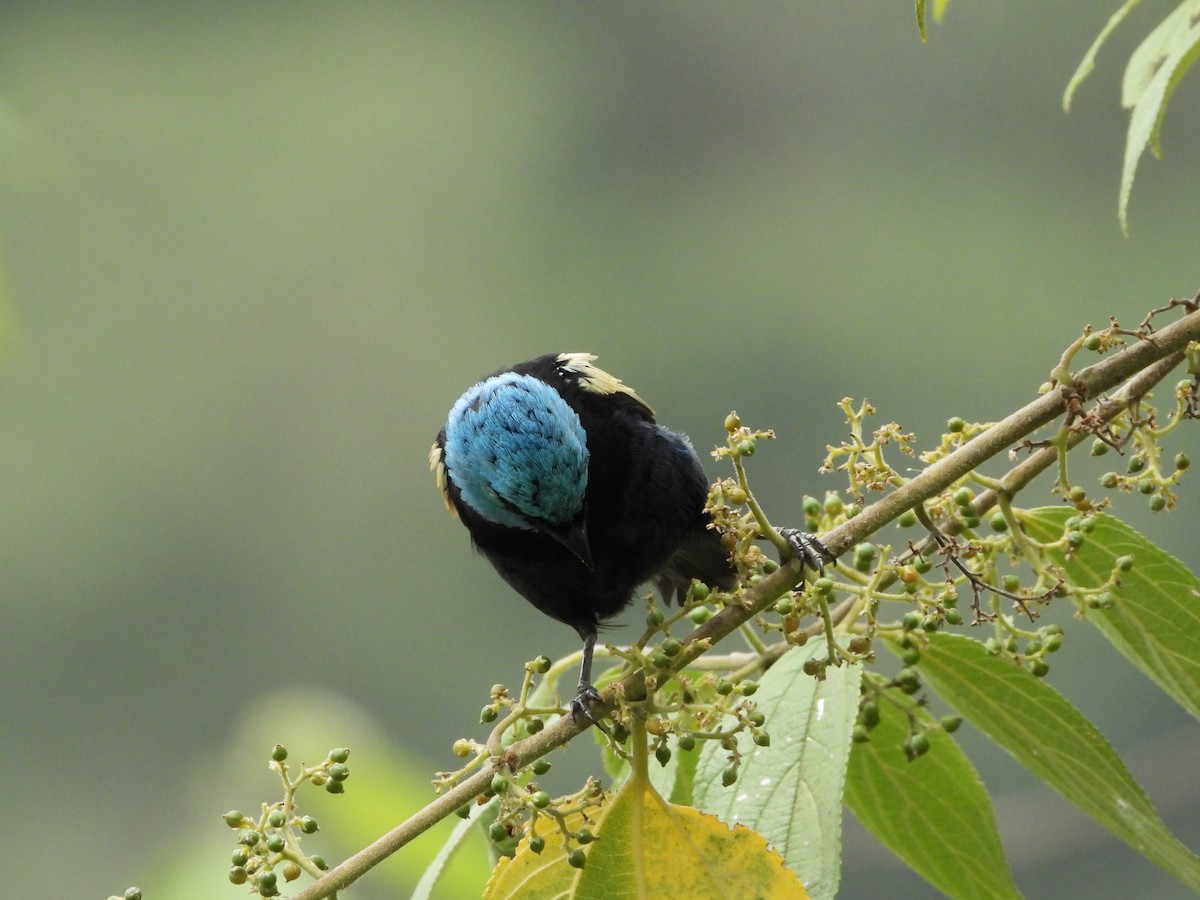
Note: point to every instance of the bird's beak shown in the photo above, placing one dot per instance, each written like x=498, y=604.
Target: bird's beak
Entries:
x=574, y=538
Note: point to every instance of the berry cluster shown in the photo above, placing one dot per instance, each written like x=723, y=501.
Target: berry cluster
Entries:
x=269, y=847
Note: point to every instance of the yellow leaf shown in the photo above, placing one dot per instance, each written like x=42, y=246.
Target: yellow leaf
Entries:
x=647, y=848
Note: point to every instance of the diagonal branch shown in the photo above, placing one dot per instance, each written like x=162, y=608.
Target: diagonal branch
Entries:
x=1090, y=382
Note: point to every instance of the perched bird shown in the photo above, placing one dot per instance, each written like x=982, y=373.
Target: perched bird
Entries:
x=575, y=495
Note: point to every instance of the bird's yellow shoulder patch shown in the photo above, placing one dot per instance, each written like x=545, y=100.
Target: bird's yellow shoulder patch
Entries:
x=593, y=378
x=437, y=464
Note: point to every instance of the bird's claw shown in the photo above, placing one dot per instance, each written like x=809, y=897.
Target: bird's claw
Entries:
x=808, y=549
x=581, y=706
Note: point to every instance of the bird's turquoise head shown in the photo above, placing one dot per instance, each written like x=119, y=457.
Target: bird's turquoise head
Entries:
x=517, y=453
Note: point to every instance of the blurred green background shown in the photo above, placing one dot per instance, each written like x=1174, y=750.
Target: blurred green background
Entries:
x=253, y=252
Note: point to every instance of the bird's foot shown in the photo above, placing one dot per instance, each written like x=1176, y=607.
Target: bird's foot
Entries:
x=581, y=707
x=808, y=549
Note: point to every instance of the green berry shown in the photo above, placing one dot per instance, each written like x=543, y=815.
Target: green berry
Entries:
x=499, y=783
x=291, y=870
x=319, y=862
x=1182, y=461
x=736, y=495
x=308, y=825
x=339, y=754
x=584, y=836
x=785, y=606
x=497, y=833
x=276, y=843
x=746, y=447
x=1110, y=479
x=279, y=754
x=907, y=519
x=700, y=615
x=699, y=591
x=869, y=714
x=687, y=742
x=998, y=522
x=1011, y=583
x=761, y=738
x=951, y=724
x=238, y=875
x=660, y=660
x=1124, y=563
x=833, y=505
x=1052, y=643
x=463, y=812
x=240, y=857
x=488, y=714
x=339, y=772
x=859, y=645
x=911, y=656
x=1076, y=494
x=911, y=621
x=1158, y=503
x=953, y=617
x=1074, y=538
x=919, y=744
x=1136, y=464
x=540, y=767
x=860, y=735
x=748, y=688
x=756, y=718
x=823, y=585
x=963, y=497
x=655, y=617
x=1099, y=448
x=955, y=425
x=537, y=843
x=724, y=687
x=671, y=647
x=729, y=776
x=266, y=880
x=577, y=859
x=234, y=818
x=1039, y=667
x=922, y=566
x=133, y=893
x=1146, y=486
x=541, y=665
x=534, y=725
x=248, y=837
x=335, y=787
x=663, y=754
x=732, y=422
x=866, y=551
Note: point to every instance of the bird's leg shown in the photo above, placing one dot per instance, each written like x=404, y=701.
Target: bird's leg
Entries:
x=587, y=693
x=808, y=549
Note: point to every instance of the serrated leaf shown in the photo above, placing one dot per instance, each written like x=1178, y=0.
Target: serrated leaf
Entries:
x=1145, y=62
x=933, y=812
x=1155, y=617
x=1051, y=738
x=791, y=791
x=1088, y=63
x=647, y=848
x=1153, y=73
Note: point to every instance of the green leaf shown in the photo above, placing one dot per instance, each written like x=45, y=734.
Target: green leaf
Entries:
x=1152, y=75
x=1088, y=63
x=1155, y=618
x=933, y=812
x=1052, y=739
x=791, y=791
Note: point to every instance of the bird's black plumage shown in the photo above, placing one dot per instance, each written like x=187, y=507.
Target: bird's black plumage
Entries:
x=574, y=494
